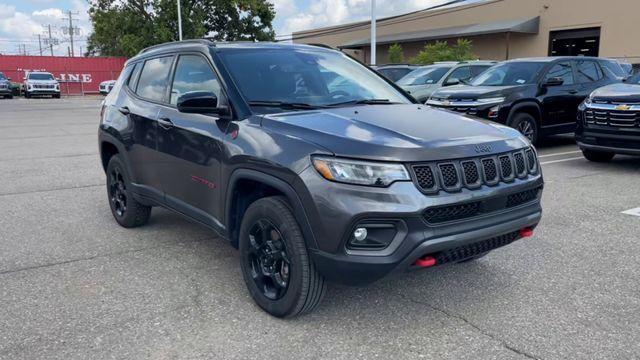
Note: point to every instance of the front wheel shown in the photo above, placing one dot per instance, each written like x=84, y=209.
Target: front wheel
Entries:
x=527, y=126
x=597, y=156
x=276, y=267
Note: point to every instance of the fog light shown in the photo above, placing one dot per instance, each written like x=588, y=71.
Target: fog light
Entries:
x=360, y=234
x=372, y=235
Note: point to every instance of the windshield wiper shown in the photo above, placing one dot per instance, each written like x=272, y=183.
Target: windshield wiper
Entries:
x=284, y=105
x=365, y=102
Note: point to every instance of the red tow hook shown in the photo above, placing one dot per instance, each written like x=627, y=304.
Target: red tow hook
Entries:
x=425, y=261
x=526, y=232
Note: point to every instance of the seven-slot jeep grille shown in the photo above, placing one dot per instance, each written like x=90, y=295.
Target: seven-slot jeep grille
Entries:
x=452, y=176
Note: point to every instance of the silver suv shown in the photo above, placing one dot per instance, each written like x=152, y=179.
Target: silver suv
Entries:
x=425, y=80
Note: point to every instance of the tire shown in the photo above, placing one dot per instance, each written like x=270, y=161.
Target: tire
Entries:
x=26, y=95
x=128, y=212
x=597, y=156
x=527, y=125
x=56, y=96
x=280, y=276
x=9, y=97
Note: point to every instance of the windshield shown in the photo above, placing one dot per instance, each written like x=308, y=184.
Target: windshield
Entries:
x=311, y=77
x=511, y=73
x=40, y=76
x=395, y=74
x=424, y=75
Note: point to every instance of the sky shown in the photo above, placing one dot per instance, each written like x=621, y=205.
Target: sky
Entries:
x=22, y=20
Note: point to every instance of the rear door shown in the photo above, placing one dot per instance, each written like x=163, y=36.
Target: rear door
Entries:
x=190, y=144
x=142, y=108
x=560, y=102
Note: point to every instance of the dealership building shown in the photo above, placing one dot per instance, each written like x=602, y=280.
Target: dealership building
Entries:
x=499, y=30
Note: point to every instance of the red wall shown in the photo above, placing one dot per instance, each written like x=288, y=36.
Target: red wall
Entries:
x=76, y=74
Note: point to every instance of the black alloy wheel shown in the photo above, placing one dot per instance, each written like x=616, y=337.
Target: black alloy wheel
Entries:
x=268, y=259
x=118, y=192
x=127, y=211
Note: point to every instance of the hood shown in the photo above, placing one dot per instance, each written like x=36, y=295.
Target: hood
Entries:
x=395, y=132
x=624, y=93
x=469, y=92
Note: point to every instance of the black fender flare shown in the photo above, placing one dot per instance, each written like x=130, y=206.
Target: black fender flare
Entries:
x=112, y=140
x=529, y=104
x=289, y=192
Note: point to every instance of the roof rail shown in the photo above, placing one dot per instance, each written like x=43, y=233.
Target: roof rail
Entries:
x=190, y=41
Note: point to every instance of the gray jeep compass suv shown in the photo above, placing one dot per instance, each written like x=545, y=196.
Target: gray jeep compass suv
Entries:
x=317, y=168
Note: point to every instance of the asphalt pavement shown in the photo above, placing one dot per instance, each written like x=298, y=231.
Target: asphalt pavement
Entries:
x=75, y=285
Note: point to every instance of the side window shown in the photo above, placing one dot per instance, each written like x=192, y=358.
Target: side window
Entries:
x=131, y=81
x=152, y=84
x=561, y=70
x=193, y=73
x=588, y=71
x=461, y=74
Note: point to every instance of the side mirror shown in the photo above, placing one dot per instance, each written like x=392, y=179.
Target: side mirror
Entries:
x=9, y=79
x=201, y=102
x=452, y=81
x=554, y=81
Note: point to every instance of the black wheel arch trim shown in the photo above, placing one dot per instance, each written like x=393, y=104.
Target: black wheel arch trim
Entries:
x=117, y=143
x=515, y=108
x=289, y=192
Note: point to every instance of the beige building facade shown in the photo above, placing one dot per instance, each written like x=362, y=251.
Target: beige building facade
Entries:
x=500, y=29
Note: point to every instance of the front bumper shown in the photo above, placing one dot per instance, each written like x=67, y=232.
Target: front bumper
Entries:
x=340, y=208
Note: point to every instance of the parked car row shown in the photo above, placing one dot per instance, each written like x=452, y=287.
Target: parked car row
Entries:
x=39, y=83
x=540, y=97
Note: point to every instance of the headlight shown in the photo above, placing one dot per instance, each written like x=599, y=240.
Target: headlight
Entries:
x=359, y=172
x=493, y=100
x=589, y=99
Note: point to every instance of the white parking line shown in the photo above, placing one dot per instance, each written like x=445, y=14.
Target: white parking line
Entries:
x=561, y=153
x=634, y=212
x=561, y=160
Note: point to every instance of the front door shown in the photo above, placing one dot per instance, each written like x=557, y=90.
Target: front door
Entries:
x=559, y=101
x=190, y=145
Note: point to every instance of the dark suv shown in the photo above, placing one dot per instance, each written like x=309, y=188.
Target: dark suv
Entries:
x=609, y=121
x=538, y=96
x=314, y=166
x=5, y=87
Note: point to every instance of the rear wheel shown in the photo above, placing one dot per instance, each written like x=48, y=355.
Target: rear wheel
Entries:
x=597, y=156
x=527, y=125
x=276, y=267
x=126, y=210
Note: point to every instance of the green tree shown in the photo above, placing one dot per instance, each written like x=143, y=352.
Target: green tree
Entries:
x=124, y=27
x=396, y=54
x=442, y=51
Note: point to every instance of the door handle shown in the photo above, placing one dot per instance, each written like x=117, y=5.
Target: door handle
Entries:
x=165, y=123
x=572, y=92
x=124, y=110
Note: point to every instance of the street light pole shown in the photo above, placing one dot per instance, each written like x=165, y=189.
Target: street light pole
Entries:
x=179, y=21
x=373, y=32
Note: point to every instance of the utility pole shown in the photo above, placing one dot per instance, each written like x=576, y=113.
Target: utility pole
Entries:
x=50, y=40
x=373, y=32
x=71, y=30
x=40, y=44
x=179, y=21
